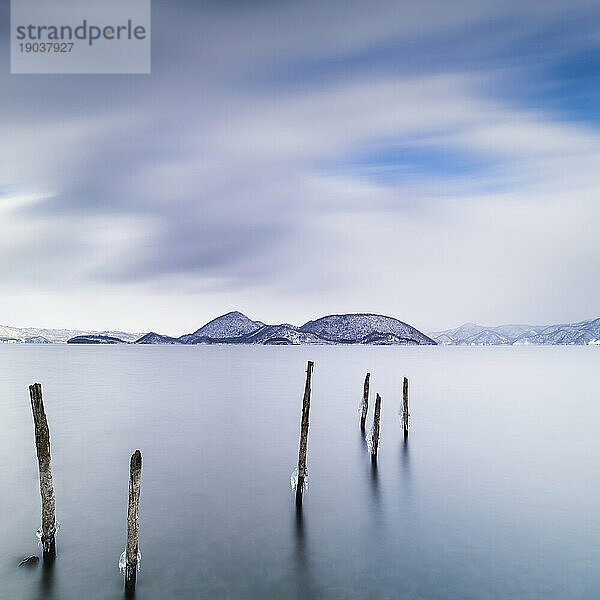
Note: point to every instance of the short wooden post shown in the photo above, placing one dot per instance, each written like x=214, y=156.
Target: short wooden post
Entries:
x=405, y=407
x=48, y=529
x=364, y=407
x=131, y=550
x=302, y=473
x=374, y=438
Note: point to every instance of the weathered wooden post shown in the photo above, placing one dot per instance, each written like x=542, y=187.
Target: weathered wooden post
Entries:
x=47, y=531
x=302, y=475
x=373, y=440
x=364, y=407
x=131, y=550
x=405, y=407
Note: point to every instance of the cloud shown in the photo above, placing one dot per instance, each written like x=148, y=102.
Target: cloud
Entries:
x=290, y=151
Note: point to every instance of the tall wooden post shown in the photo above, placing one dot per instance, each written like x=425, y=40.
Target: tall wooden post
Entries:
x=302, y=474
x=405, y=407
x=42, y=445
x=364, y=407
x=374, y=438
x=131, y=550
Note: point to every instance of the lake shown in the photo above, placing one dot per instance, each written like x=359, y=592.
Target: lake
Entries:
x=496, y=494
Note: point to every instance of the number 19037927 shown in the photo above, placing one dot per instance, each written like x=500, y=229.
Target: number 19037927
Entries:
x=46, y=46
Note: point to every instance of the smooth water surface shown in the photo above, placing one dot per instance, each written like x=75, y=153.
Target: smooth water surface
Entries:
x=495, y=495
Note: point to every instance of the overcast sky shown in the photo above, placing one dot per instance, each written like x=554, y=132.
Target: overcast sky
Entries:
x=435, y=161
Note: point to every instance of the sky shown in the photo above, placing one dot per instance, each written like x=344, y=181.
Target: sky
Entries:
x=438, y=162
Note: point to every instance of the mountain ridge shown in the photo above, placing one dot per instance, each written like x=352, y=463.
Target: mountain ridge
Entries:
x=347, y=328
x=581, y=333
x=42, y=335
x=365, y=328
x=356, y=328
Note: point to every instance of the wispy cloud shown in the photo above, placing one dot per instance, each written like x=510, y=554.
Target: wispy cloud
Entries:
x=282, y=155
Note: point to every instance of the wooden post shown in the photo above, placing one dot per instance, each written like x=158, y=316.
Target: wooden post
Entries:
x=42, y=445
x=301, y=481
x=374, y=440
x=131, y=550
x=405, y=407
x=365, y=403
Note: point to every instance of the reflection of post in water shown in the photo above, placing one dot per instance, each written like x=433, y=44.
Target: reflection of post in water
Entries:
x=405, y=459
x=375, y=481
x=47, y=579
x=302, y=580
x=299, y=530
x=364, y=441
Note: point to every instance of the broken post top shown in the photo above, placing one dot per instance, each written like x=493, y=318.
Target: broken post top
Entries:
x=364, y=406
x=306, y=399
x=304, y=422
x=136, y=462
x=35, y=389
x=42, y=433
x=37, y=407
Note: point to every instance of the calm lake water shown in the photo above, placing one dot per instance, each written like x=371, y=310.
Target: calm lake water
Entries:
x=495, y=495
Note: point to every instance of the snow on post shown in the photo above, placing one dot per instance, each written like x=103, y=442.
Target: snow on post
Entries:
x=49, y=527
x=300, y=478
x=364, y=407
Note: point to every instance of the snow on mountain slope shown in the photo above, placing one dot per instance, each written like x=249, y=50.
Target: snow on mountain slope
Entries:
x=231, y=325
x=284, y=334
x=156, y=338
x=584, y=332
x=24, y=334
x=365, y=328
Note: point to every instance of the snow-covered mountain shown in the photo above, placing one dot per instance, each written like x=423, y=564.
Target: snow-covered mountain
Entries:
x=361, y=328
x=226, y=327
x=156, y=338
x=39, y=336
x=284, y=334
x=96, y=339
x=469, y=334
x=582, y=333
x=236, y=328
x=365, y=328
